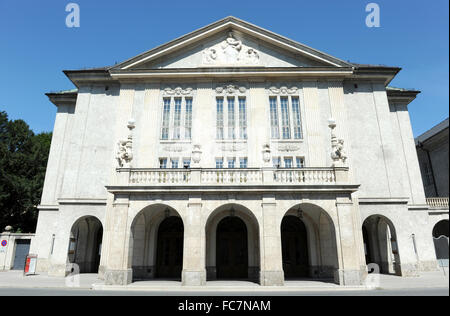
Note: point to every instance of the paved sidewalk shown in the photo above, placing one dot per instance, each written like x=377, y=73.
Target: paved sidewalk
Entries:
x=435, y=279
x=15, y=279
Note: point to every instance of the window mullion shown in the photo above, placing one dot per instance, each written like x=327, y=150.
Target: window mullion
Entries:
x=291, y=119
x=183, y=119
x=280, y=118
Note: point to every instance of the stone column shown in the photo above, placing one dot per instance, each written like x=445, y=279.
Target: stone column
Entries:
x=351, y=270
x=271, y=256
x=194, y=272
x=118, y=265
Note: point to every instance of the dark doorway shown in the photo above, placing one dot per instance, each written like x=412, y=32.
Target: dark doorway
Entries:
x=366, y=245
x=169, y=256
x=232, y=249
x=98, y=250
x=294, y=242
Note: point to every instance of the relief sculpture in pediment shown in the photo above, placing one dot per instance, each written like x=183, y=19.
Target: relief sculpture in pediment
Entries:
x=231, y=51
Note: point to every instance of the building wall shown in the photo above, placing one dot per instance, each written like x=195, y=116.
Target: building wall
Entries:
x=7, y=253
x=82, y=161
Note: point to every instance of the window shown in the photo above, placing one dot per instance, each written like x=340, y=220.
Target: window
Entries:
x=177, y=119
x=242, y=119
x=300, y=162
x=231, y=163
x=231, y=120
x=172, y=119
x=163, y=163
x=285, y=125
x=219, y=119
x=243, y=162
x=428, y=176
x=174, y=162
x=288, y=162
x=188, y=119
x=276, y=162
x=290, y=117
x=219, y=163
x=165, y=120
x=296, y=118
x=274, y=118
x=186, y=162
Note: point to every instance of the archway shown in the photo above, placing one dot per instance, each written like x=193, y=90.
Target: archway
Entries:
x=86, y=243
x=294, y=247
x=169, y=257
x=232, y=249
x=156, y=244
x=441, y=244
x=232, y=244
x=380, y=241
x=308, y=240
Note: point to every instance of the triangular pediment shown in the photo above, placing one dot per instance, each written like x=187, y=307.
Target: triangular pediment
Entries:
x=231, y=43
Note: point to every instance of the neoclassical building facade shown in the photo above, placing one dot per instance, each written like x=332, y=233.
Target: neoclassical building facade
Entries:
x=234, y=153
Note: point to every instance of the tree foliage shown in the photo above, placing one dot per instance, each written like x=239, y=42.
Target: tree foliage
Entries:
x=23, y=161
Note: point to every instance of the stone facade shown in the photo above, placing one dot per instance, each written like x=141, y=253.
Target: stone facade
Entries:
x=304, y=163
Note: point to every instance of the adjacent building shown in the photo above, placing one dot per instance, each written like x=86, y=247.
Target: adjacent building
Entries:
x=234, y=153
x=432, y=151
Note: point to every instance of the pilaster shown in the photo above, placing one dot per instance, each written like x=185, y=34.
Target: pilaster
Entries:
x=351, y=271
x=194, y=272
x=271, y=254
x=118, y=265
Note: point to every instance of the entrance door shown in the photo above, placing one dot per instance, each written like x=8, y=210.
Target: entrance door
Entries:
x=22, y=249
x=294, y=247
x=232, y=249
x=169, y=257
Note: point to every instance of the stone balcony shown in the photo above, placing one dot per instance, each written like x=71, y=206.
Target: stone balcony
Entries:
x=146, y=179
x=438, y=202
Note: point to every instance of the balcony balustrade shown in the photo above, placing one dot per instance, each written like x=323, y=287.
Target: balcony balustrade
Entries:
x=230, y=177
x=438, y=202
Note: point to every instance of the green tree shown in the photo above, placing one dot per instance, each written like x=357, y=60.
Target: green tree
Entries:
x=23, y=161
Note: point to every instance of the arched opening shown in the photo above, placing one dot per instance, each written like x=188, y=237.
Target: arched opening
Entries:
x=232, y=244
x=232, y=249
x=85, y=244
x=308, y=240
x=380, y=240
x=294, y=247
x=441, y=242
x=169, y=257
x=156, y=244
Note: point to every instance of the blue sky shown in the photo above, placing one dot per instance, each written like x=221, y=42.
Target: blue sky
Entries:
x=36, y=45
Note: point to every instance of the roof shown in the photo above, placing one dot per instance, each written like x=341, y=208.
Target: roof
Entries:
x=68, y=97
x=64, y=92
x=238, y=24
x=432, y=132
x=329, y=65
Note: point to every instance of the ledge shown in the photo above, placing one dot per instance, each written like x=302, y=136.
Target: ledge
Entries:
x=376, y=200
x=242, y=189
x=66, y=201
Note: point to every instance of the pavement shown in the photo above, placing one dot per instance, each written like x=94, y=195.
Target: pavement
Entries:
x=432, y=281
